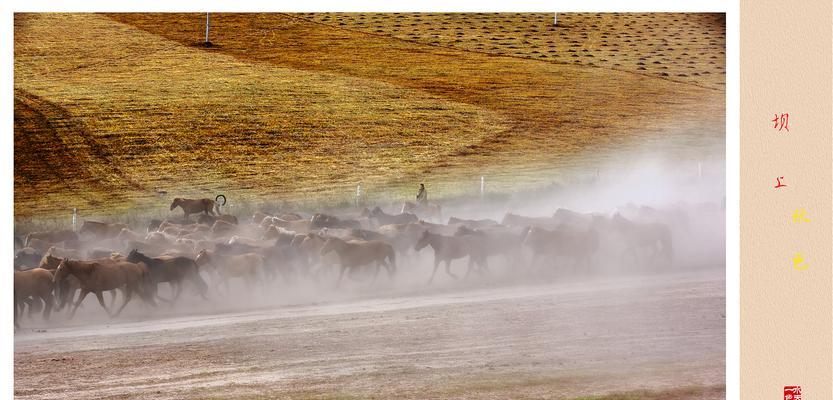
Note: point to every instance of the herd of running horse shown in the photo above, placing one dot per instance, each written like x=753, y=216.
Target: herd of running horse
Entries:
x=58, y=269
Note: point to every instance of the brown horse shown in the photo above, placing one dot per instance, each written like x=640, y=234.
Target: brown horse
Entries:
x=521, y=221
x=34, y=285
x=173, y=270
x=102, y=230
x=194, y=206
x=448, y=249
x=65, y=291
x=354, y=254
x=472, y=223
x=248, y=266
x=27, y=258
x=655, y=237
x=579, y=246
x=209, y=220
x=52, y=236
x=384, y=218
x=493, y=241
x=101, y=275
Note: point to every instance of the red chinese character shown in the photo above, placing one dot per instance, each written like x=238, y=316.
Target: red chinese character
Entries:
x=782, y=122
x=792, y=392
x=778, y=179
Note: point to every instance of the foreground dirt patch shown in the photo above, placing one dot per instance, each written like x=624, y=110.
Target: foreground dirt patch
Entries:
x=660, y=335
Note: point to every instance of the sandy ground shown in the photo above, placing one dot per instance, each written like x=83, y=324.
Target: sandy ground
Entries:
x=549, y=340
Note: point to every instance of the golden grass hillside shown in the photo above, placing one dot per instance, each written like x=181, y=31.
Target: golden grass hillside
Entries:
x=112, y=109
x=680, y=47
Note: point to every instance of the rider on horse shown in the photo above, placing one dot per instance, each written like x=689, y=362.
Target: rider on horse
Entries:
x=422, y=196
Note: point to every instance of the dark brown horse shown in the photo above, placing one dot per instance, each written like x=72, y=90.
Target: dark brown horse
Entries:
x=173, y=270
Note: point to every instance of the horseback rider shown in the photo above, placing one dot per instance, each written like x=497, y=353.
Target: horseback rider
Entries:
x=422, y=196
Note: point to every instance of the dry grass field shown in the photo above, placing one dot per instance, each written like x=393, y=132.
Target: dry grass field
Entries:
x=685, y=48
x=112, y=109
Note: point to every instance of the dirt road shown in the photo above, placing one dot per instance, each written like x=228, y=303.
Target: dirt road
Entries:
x=664, y=334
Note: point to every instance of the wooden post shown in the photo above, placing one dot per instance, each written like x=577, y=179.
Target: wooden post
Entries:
x=207, y=25
x=358, y=195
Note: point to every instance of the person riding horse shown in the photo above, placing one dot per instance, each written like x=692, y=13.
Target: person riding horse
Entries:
x=422, y=196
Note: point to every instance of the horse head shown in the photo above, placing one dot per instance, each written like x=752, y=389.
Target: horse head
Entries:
x=134, y=256
x=330, y=244
x=423, y=241
x=177, y=201
x=61, y=272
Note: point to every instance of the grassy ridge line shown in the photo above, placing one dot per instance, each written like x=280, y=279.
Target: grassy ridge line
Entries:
x=180, y=115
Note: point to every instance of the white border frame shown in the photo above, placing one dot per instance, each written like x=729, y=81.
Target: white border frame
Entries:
x=732, y=111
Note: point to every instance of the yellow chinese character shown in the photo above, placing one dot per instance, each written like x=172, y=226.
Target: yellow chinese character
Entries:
x=800, y=215
x=798, y=262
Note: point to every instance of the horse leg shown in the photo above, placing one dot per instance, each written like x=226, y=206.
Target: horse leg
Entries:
x=177, y=290
x=100, y=298
x=448, y=269
x=113, y=294
x=48, y=300
x=128, y=293
x=436, y=265
x=34, y=306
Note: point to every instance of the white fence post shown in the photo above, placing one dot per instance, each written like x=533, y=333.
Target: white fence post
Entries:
x=358, y=194
x=207, y=25
x=74, y=218
x=482, y=186
x=699, y=170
